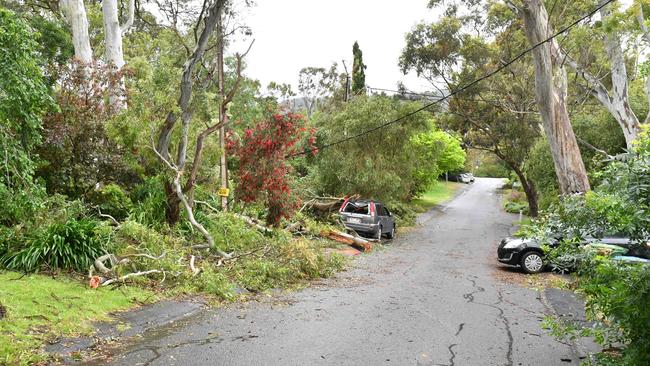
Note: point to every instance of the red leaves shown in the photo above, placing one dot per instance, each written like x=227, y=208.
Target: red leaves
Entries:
x=263, y=166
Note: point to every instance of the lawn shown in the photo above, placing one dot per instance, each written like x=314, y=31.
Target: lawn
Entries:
x=439, y=193
x=41, y=309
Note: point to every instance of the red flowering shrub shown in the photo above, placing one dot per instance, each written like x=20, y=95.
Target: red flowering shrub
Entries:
x=263, y=153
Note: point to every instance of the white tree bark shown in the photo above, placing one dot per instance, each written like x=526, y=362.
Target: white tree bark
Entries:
x=75, y=14
x=114, y=54
x=112, y=34
x=645, y=32
x=617, y=101
x=551, y=92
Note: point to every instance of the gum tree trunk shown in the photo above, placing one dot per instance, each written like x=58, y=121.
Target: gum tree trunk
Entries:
x=617, y=101
x=114, y=55
x=551, y=93
x=75, y=14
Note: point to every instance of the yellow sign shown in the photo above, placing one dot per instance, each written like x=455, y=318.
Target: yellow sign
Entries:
x=224, y=192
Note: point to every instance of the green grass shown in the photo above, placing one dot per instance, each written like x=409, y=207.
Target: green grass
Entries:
x=439, y=193
x=42, y=309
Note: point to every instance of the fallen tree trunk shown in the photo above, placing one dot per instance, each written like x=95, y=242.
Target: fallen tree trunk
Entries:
x=355, y=241
x=326, y=204
x=254, y=223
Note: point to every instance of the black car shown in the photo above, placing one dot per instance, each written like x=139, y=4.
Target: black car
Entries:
x=528, y=254
x=368, y=217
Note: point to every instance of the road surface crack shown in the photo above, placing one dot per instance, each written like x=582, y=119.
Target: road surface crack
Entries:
x=460, y=329
x=500, y=315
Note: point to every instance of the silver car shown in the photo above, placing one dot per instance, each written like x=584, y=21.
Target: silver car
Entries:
x=368, y=217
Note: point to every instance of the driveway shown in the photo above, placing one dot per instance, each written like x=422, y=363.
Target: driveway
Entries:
x=433, y=297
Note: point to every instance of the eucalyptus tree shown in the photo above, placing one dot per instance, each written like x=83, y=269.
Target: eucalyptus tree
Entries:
x=551, y=88
x=602, y=47
x=315, y=84
x=114, y=53
x=497, y=115
x=75, y=14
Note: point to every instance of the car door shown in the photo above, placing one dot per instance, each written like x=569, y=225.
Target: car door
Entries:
x=389, y=220
x=380, y=215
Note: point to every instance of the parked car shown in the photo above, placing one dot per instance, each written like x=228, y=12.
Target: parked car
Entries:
x=461, y=177
x=528, y=254
x=368, y=217
x=467, y=178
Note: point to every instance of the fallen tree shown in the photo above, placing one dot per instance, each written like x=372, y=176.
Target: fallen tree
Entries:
x=107, y=265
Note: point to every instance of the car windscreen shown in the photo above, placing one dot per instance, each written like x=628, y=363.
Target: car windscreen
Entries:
x=357, y=208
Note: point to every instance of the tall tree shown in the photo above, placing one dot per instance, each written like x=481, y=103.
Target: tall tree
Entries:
x=316, y=84
x=114, y=54
x=551, y=91
x=75, y=14
x=358, y=71
x=180, y=190
x=497, y=115
x=616, y=100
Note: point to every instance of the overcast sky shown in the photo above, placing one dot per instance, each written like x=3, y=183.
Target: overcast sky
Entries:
x=292, y=34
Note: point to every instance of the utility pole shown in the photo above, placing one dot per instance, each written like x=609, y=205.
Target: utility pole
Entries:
x=347, y=82
x=223, y=119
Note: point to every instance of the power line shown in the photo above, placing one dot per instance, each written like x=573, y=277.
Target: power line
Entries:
x=459, y=90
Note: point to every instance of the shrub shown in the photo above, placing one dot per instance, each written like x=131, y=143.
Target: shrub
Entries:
x=112, y=200
x=617, y=294
x=72, y=245
x=405, y=214
x=231, y=233
x=149, y=202
x=263, y=167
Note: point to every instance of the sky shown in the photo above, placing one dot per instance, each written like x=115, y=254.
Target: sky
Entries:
x=292, y=34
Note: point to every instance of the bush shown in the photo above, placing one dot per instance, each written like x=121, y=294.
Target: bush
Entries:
x=149, y=202
x=617, y=294
x=112, y=200
x=72, y=245
x=405, y=214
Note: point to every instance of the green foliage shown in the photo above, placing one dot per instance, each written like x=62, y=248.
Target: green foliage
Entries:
x=112, y=200
x=617, y=293
x=621, y=293
x=296, y=261
x=437, y=152
x=72, y=245
x=149, y=201
x=484, y=164
x=358, y=71
x=515, y=202
x=381, y=164
x=232, y=234
x=405, y=214
x=24, y=99
x=24, y=95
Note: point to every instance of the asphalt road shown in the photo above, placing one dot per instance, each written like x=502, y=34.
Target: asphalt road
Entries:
x=432, y=297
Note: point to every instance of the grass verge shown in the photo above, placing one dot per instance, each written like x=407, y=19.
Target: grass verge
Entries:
x=439, y=193
x=41, y=309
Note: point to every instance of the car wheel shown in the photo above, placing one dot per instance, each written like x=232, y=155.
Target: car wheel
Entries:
x=378, y=235
x=532, y=262
x=391, y=234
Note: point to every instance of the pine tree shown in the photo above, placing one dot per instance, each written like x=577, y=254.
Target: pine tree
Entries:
x=358, y=71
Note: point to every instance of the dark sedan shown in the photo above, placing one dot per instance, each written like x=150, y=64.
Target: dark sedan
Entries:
x=528, y=254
